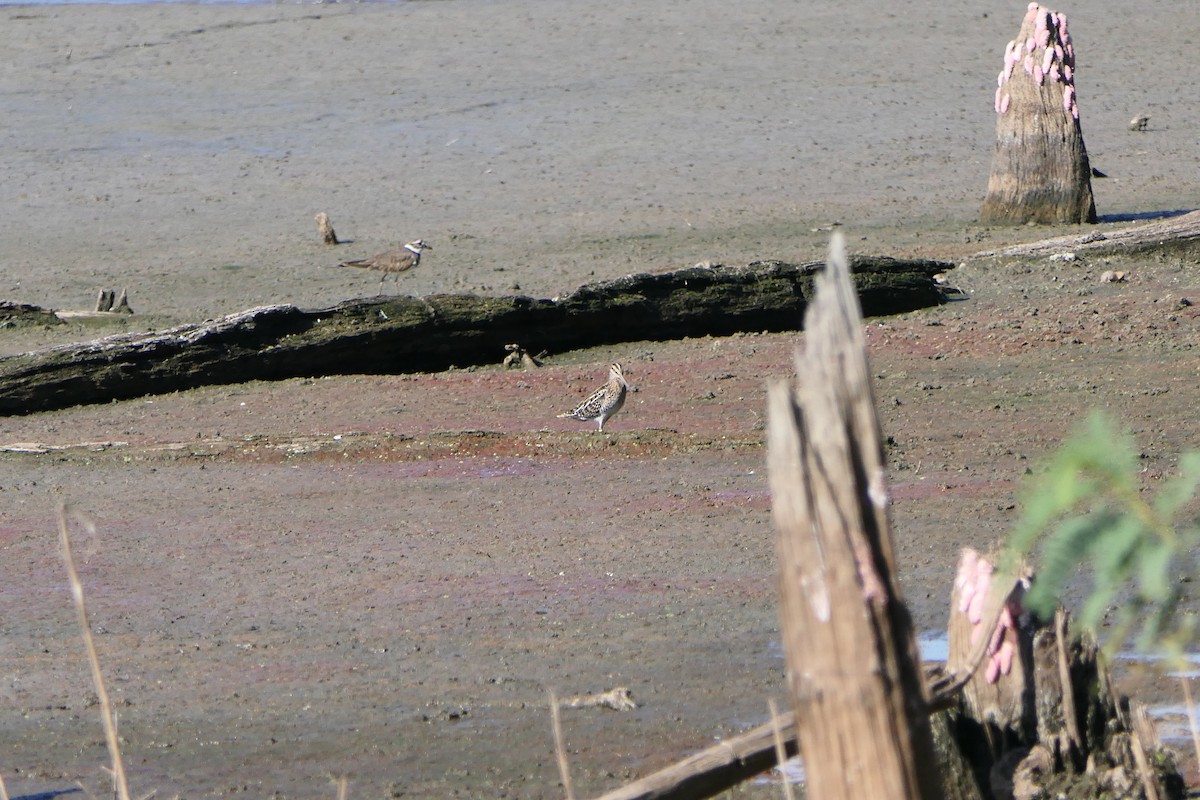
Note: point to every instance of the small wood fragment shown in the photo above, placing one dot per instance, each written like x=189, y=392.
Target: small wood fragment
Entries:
x=518, y=355
x=325, y=228
x=618, y=699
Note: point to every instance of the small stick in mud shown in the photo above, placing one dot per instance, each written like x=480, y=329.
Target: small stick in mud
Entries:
x=325, y=228
x=518, y=355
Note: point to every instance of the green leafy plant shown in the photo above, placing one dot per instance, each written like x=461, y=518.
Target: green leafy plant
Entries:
x=1087, y=509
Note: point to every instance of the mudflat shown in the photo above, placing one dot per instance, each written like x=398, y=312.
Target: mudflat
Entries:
x=380, y=577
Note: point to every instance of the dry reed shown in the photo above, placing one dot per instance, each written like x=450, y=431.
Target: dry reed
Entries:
x=560, y=750
x=781, y=757
x=120, y=785
x=1192, y=723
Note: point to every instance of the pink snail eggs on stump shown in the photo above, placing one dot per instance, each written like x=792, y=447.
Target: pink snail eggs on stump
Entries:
x=1040, y=171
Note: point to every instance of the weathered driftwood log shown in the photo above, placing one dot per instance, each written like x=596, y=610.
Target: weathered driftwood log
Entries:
x=1179, y=233
x=407, y=334
x=853, y=668
x=1040, y=170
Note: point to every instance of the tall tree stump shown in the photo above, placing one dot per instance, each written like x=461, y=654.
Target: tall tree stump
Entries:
x=1040, y=169
x=853, y=672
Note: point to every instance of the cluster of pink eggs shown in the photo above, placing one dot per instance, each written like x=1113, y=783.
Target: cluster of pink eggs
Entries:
x=1045, y=54
x=973, y=582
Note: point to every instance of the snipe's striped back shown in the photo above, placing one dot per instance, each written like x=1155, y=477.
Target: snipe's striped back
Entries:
x=603, y=403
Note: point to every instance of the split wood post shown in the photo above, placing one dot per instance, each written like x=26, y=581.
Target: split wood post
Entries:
x=1040, y=169
x=853, y=666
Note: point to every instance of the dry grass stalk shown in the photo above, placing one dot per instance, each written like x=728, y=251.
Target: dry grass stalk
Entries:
x=120, y=785
x=3, y=789
x=1192, y=723
x=781, y=757
x=560, y=750
x=343, y=785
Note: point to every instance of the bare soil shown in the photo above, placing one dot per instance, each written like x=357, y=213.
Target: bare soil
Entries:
x=381, y=577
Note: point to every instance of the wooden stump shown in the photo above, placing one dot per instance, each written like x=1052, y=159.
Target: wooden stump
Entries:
x=852, y=660
x=1038, y=716
x=1040, y=170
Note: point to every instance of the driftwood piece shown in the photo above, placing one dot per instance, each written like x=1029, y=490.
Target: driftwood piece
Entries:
x=1040, y=170
x=714, y=769
x=389, y=335
x=325, y=228
x=109, y=305
x=853, y=668
x=109, y=302
x=618, y=698
x=1174, y=233
x=519, y=357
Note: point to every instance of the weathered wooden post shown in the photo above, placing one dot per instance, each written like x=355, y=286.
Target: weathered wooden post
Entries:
x=1040, y=170
x=852, y=659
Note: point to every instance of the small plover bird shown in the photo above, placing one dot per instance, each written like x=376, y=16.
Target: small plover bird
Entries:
x=1139, y=122
x=604, y=402
x=397, y=261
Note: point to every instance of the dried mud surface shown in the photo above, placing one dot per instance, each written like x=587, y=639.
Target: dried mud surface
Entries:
x=381, y=577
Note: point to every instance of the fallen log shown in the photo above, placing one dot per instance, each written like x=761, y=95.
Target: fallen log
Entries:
x=1180, y=232
x=390, y=335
